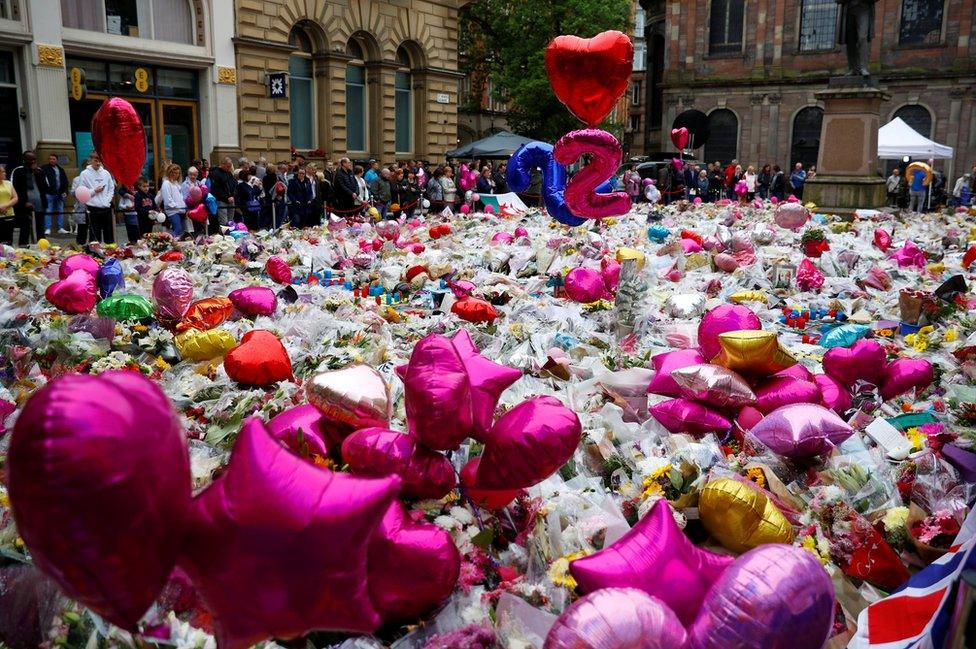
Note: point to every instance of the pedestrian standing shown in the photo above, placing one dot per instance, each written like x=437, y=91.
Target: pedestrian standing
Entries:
x=501, y=182
x=101, y=224
x=222, y=186
x=893, y=185
x=346, y=189
x=917, y=191
x=28, y=181
x=247, y=198
x=171, y=198
x=449, y=186
x=56, y=180
x=361, y=184
x=777, y=185
x=127, y=210
x=299, y=198
x=381, y=193
x=8, y=198
x=763, y=180
x=144, y=200
x=797, y=179
x=750, y=178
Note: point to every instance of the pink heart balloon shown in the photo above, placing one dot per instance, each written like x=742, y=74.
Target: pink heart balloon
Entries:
x=488, y=380
x=302, y=430
x=665, y=363
x=833, y=394
x=99, y=479
x=77, y=293
x=613, y=618
x=906, y=374
x=726, y=262
x=528, y=444
x=865, y=360
x=438, y=394
x=656, y=557
x=783, y=391
x=172, y=292
x=585, y=285
x=773, y=597
x=798, y=372
x=413, y=567
x=79, y=261
x=791, y=215
x=610, y=272
x=378, y=452
x=687, y=416
x=291, y=535
x=254, y=300
x=723, y=319
x=802, y=430
x=279, y=270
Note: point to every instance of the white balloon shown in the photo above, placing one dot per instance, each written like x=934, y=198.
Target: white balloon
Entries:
x=426, y=204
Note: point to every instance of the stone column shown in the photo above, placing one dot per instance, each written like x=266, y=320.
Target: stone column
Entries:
x=330, y=72
x=380, y=108
x=219, y=109
x=46, y=86
x=772, y=152
x=847, y=168
x=952, y=134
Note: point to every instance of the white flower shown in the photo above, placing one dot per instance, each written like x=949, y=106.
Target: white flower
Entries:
x=447, y=523
x=462, y=515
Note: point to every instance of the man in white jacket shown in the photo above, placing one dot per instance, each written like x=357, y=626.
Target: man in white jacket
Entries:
x=101, y=224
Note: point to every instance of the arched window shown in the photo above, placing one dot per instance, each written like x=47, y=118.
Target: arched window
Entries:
x=403, y=102
x=818, y=25
x=723, y=142
x=921, y=22
x=806, y=136
x=165, y=20
x=918, y=117
x=301, y=91
x=355, y=97
x=725, y=26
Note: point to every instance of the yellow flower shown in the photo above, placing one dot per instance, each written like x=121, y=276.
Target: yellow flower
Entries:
x=756, y=475
x=651, y=488
x=810, y=545
x=161, y=364
x=4, y=500
x=950, y=335
x=659, y=472
x=915, y=437
x=921, y=343
x=926, y=330
x=559, y=570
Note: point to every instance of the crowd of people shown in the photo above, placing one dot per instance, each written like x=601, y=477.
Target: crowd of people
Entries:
x=296, y=193
x=39, y=200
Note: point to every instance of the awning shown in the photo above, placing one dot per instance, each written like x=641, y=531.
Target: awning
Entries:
x=499, y=145
x=896, y=139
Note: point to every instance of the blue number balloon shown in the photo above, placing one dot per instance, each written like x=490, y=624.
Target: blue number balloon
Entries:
x=532, y=155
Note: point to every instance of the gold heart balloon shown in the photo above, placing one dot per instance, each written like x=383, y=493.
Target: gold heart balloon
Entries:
x=355, y=396
x=741, y=517
x=756, y=353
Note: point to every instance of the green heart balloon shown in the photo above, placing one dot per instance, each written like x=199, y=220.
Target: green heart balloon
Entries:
x=125, y=307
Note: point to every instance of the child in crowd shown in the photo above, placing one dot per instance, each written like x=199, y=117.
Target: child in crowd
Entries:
x=144, y=200
x=127, y=208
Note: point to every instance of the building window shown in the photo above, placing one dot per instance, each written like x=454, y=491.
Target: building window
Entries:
x=635, y=123
x=640, y=17
x=921, y=22
x=355, y=97
x=723, y=140
x=818, y=25
x=165, y=20
x=403, y=104
x=301, y=90
x=640, y=56
x=918, y=117
x=806, y=136
x=635, y=93
x=725, y=26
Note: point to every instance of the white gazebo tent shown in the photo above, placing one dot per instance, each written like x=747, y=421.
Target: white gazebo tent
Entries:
x=896, y=139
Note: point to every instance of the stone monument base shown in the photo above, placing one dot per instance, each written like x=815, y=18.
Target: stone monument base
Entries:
x=844, y=194
x=847, y=167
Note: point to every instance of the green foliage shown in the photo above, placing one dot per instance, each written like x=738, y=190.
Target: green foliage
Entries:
x=506, y=41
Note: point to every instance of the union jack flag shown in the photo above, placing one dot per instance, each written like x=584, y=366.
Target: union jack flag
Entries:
x=918, y=614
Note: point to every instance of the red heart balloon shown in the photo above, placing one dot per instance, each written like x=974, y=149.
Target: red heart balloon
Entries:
x=411, y=567
x=473, y=309
x=260, y=360
x=120, y=139
x=206, y=314
x=76, y=293
x=491, y=499
x=589, y=75
x=679, y=137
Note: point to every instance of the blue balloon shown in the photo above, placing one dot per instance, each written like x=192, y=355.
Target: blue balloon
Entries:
x=658, y=233
x=238, y=234
x=110, y=278
x=211, y=203
x=532, y=155
x=843, y=336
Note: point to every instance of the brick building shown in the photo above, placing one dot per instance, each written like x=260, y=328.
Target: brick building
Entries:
x=365, y=78
x=754, y=66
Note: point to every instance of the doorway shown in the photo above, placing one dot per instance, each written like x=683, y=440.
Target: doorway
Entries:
x=11, y=143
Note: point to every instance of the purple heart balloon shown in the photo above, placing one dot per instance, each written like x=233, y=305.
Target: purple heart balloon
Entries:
x=906, y=374
x=79, y=261
x=614, y=618
x=585, y=285
x=773, y=597
x=528, y=443
x=254, y=300
x=720, y=320
x=865, y=360
x=382, y=452
x=833, y=394
x=100, y=486
x=172, y=292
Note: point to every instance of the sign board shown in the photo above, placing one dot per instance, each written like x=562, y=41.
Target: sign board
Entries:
x=76, y=77
x=443, y=98
x=278, y=85
x=142, y=79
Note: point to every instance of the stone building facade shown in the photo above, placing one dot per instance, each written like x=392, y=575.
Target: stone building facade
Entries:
x=754, y=65
x=365, y=78
x=172, y=59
